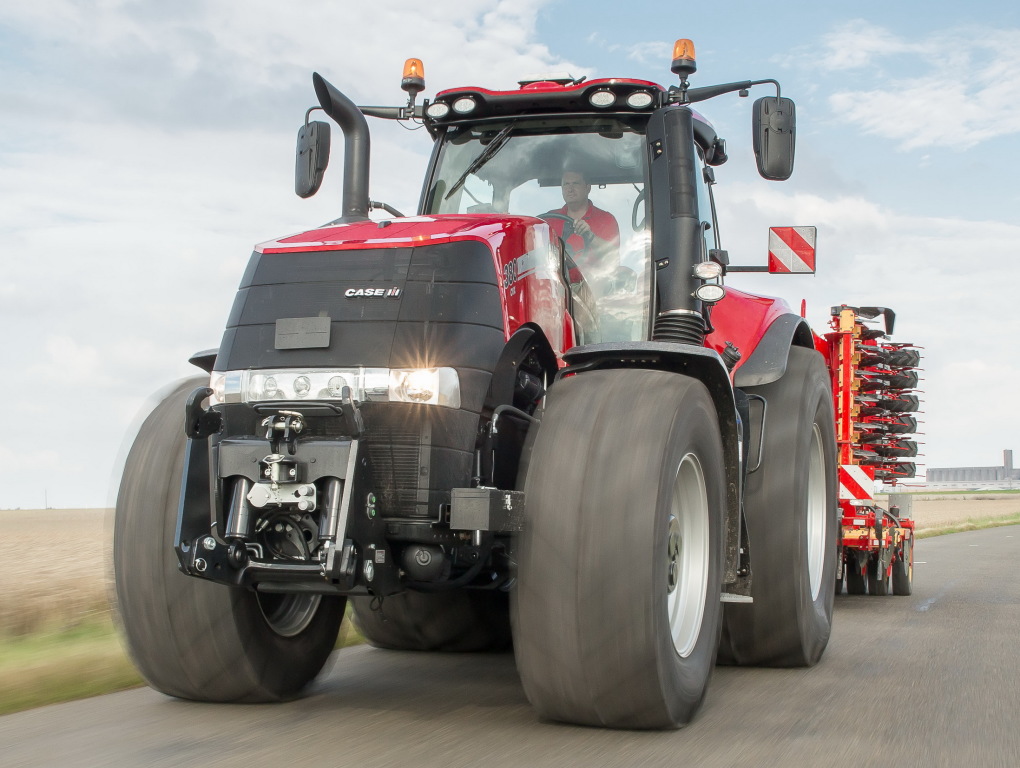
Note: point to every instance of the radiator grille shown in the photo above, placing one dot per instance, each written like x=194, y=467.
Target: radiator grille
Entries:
x=395, y=457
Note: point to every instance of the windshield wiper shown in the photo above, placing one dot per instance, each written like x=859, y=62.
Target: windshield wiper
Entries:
x=486, y=155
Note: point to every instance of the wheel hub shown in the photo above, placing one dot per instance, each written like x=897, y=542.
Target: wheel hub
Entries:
x=673, y=550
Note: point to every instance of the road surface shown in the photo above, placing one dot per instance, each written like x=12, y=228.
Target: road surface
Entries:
x=927, y=680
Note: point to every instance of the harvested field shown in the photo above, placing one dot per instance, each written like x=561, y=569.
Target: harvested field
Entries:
x=934, y=511
x=54, y=573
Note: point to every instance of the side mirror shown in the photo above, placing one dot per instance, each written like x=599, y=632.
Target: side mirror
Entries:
x=774, y=127
x=312, y=157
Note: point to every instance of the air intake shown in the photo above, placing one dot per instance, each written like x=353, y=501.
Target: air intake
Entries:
x=681, y=326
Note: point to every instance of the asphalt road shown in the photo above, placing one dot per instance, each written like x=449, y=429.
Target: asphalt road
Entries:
x=927, y=680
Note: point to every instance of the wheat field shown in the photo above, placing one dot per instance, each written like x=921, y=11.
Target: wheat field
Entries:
x=53, y=572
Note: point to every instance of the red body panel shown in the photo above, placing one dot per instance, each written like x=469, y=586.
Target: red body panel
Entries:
x=525, y=261
x=742, y=318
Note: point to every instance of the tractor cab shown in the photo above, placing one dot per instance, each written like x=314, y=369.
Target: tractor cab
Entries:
x=526, y=153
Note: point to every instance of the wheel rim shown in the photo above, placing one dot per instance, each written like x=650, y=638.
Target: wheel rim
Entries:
x=687, y=555
x=817, y=513
x=288, y=615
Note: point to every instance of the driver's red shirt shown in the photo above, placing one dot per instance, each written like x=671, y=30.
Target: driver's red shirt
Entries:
x=603, y=226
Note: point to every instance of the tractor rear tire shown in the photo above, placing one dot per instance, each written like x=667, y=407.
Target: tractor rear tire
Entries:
x=616, y=614
x=792, y=524
x=190, y=638
x=878, y=581
x=459, y=621
x=903, y=570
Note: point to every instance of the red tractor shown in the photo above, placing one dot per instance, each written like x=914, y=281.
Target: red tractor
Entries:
x=531, y=414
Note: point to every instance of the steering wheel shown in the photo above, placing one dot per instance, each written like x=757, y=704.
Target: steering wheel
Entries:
x=562, y=217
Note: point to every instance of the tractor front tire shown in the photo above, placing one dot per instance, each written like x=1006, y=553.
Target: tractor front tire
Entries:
x=190, y=638
x=791, y=514
x=459, y=621
x=616, y=614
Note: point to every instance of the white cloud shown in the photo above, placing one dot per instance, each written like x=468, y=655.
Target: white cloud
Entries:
x=965, y=90
x=859, y=43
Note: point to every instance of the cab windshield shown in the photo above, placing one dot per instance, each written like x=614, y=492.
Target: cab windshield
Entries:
x=586, y=177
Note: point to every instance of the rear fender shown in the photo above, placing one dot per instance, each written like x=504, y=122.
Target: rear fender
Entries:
x=768, y=361
x=706, y=366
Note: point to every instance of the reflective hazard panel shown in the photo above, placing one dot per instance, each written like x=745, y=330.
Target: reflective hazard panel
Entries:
x=792, y=250
x=856, y=482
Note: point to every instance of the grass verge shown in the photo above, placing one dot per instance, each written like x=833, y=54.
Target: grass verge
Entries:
x=973, y=524
x=47, y=667
x=51, y=666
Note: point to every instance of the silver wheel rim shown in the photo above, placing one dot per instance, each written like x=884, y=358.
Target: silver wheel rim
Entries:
x=817, y=513
x=687, y=555
x=288, y=615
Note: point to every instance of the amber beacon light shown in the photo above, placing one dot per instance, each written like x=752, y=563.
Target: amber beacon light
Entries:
x=683, y=58
x=413, y=80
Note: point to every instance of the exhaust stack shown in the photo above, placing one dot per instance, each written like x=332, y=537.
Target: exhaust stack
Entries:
x=357, y=145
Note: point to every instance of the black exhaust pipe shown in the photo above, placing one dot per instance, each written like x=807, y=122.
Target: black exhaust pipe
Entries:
x=357, y=145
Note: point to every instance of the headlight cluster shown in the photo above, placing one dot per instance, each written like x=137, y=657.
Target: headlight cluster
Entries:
x=429, y=386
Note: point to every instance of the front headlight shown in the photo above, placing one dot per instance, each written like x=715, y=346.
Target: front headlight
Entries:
x=432, y=386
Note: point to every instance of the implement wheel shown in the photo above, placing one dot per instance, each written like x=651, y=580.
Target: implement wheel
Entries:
x=791, y=513
x=462, y=620
x=617, y=611
x=878, y=579
x=856, y=583
x=191, y=638
x=903, y=570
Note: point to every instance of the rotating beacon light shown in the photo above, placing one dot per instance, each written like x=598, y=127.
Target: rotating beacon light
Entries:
x=683, y=64
x=413, y=79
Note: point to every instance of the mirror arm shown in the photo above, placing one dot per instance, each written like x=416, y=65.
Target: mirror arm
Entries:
x=410, y=112
x=692, y=95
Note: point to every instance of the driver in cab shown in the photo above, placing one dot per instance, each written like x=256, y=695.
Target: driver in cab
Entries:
x=592, y=235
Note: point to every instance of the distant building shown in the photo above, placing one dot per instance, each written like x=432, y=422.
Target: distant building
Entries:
x=976, y=477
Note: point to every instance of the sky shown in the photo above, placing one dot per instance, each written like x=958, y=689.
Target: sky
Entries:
x=146, y=147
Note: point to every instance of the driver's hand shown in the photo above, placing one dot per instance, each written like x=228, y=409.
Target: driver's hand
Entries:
x=581, y=228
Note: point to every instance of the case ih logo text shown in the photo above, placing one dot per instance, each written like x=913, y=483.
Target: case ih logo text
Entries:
x=352, y=293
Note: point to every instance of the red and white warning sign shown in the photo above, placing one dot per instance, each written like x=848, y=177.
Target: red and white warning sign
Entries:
x=792, y=249
x=856, y=482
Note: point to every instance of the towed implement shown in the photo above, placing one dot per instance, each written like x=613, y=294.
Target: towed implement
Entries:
x=875, y=384
x=500, y=420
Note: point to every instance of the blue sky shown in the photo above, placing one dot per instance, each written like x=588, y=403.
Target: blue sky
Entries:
x=146, y=146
